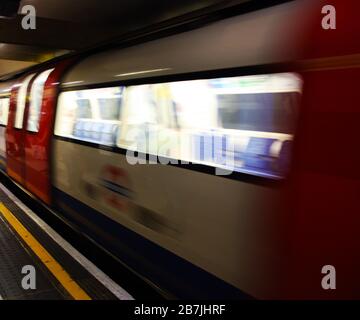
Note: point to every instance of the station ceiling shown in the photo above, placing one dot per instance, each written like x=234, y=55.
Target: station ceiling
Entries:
x=69, y=25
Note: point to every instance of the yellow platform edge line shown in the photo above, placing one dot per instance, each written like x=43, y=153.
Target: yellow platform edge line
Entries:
x=45, y=257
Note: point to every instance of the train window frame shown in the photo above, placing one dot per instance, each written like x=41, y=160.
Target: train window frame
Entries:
x=201, y=165
x=94, y=129
x=209, y=145
x=2, y=121
x=21, y=100
x=33, y=118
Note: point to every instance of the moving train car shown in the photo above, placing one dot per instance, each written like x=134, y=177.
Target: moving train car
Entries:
x=217, y=162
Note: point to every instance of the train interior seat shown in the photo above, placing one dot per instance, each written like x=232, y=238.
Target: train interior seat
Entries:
x=257, y=154
x=96, y=131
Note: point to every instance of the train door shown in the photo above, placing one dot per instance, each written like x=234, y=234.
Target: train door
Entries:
x=39, y=118
x=36, y=144
x=14, y=132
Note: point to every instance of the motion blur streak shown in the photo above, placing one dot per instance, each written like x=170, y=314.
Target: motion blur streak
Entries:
x=271, y=89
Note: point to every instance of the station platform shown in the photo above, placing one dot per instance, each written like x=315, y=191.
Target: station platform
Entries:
x=36, y=263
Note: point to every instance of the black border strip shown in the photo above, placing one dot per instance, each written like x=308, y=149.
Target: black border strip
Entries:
x=202, y=168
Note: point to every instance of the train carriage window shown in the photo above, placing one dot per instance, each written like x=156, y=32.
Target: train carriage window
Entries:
x=91, y=115
x=244, y=124
x=83, y=110
x=142, y=118
x=36, y=97
x=21, y=101
x=258, y=111
x=4, y=110
x=109, y=108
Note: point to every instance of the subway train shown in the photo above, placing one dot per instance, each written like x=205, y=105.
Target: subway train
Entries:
x=218, y=161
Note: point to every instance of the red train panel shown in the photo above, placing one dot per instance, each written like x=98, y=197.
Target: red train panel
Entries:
x=38, y=139
x=14, y=131
x=30, y=128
